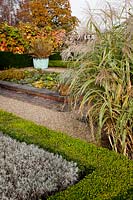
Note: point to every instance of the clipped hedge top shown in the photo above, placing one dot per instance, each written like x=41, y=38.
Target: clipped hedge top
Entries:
x=112, y=176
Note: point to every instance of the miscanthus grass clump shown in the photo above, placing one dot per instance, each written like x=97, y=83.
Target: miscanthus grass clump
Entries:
x=100, y=83
x=28, y=172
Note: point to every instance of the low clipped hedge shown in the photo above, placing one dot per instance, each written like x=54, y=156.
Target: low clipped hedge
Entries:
x=112, y=174
x=55, y=56
x=59, y=63
x=62, y=63
x=9, y=60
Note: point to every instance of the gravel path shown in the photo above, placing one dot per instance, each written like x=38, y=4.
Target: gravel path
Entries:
x=49, y=69
x=60, y=121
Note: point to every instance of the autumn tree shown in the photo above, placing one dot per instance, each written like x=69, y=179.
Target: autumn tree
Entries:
x=53, y=13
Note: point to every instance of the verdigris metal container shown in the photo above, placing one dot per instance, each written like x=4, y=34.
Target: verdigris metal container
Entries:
x=40, y=63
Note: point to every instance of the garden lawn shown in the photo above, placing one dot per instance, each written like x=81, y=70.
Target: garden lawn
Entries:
x=108, y=175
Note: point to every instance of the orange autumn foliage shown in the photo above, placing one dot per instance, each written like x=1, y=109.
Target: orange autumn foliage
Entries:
x=53, y=13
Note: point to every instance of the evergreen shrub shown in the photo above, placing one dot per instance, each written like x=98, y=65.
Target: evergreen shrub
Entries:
x=9, y=60
x=55, y=56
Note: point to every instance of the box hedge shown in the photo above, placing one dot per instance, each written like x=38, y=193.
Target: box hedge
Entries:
x=9, y=60
x=59, y=63
x=55, y=56
x=111, y=174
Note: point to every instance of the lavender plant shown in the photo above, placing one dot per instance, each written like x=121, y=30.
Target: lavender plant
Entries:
x=28, y=172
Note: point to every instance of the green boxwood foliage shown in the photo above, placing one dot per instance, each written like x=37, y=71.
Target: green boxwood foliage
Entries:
x=59, y=63
x=55, y=56
x=9, y=60
x=112, y=176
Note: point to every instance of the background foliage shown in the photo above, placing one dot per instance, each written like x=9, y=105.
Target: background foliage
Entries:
x=55, y=14
x=29, y=20
x=11, y=39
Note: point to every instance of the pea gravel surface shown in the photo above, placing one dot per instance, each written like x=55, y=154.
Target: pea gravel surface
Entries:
x=66, y=122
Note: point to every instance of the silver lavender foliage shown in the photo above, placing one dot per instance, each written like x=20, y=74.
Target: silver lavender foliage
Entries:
x=28, y=172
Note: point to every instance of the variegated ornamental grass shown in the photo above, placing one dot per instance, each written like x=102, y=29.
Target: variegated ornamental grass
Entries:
x=104, y=79
x=28, y=172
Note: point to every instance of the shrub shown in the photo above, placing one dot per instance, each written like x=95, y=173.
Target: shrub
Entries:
x=11, y=39
x=28, y=172
x=59, y=63
x=31, y=32
x=12, y=74
x=55, y=56
x=9, y=60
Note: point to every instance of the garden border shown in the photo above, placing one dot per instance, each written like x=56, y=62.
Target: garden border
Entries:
x=44, y=93
x=112, y=177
